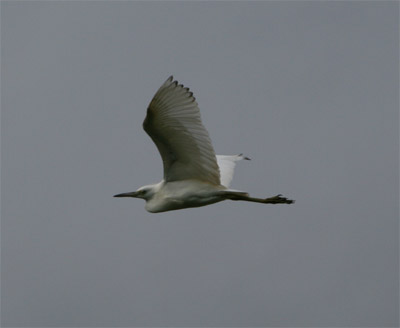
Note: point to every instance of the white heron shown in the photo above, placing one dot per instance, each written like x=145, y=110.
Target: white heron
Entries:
x=193, y=175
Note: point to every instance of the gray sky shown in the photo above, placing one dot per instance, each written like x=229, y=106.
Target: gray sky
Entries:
x=308, y=90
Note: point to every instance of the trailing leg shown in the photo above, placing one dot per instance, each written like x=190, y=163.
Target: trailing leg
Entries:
x=278, y=199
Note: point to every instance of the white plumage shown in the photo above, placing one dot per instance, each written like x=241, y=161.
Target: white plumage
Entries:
x=173, y=122
x=226, y=166
x=193, y=175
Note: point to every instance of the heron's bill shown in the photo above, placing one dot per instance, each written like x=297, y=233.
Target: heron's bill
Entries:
x=127, y=194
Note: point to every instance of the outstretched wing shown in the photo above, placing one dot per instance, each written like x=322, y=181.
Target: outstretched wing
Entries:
x=173, y=122
x=227, y=166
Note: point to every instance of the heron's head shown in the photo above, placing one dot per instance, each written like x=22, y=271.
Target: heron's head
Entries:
x=145, y=192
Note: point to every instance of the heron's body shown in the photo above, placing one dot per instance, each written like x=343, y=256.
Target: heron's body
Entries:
x=193, y=175
x=176, y=195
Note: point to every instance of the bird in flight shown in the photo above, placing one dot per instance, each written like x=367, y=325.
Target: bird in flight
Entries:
x=193, y=175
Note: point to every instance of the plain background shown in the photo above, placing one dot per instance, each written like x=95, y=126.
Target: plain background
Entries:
x=308, y=90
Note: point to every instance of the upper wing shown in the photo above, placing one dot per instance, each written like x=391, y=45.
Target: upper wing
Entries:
x=173, y=122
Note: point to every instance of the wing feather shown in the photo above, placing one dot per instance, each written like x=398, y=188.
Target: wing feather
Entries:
x=174, y=124
x=227, y=166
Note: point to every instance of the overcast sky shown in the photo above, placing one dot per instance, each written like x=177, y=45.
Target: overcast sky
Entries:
x=307, y=90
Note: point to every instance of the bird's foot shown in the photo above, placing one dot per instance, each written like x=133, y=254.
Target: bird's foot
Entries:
x=278, y=199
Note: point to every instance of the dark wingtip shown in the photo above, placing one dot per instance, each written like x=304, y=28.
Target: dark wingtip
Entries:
x=245, y=157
